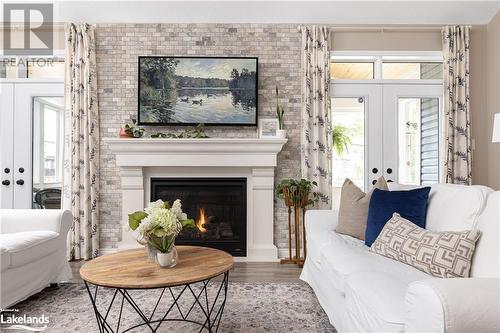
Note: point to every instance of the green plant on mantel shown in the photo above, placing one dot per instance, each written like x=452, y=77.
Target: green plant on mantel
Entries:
x=197, y=132
x=297, y=192
x=133, y=129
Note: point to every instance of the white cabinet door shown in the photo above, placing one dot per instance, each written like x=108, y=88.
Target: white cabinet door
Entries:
x=6, y=144
x=18, y=101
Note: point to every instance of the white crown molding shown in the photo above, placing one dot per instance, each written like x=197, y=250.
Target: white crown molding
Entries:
x=320, y=12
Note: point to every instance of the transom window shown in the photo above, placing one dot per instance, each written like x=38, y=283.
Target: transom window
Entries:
x=31, y=67
x=386, y=66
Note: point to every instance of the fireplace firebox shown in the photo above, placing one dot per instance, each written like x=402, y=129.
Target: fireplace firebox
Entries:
x=218, y=206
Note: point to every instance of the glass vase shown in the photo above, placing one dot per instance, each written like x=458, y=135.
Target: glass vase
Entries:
x=167, y=259
x=151, y=253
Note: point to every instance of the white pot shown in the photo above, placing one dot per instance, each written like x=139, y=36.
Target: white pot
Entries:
x=168, y=259
x=281, y=133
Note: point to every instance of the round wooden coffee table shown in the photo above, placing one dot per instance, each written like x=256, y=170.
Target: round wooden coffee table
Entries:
x=131, y=270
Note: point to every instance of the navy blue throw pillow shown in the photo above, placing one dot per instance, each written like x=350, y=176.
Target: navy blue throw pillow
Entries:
x=411, y=205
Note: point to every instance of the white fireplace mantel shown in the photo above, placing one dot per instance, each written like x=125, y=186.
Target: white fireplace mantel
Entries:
x=253, y=158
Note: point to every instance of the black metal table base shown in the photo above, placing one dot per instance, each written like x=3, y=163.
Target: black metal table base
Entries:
x=211, y=313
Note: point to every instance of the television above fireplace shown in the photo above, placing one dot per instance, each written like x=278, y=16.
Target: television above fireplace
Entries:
x=197, y=90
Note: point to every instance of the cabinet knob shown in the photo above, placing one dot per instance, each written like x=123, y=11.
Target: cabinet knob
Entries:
x=374, y=182
x=20, y=182
x=375, y=170
x=21, y=170
x=389, y=171
x=6, y=182
x=6, y=170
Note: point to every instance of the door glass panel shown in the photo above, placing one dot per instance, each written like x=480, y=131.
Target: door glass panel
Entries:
x=349, y=143
x=47, y=151
x=418, y=140
x=351, y=70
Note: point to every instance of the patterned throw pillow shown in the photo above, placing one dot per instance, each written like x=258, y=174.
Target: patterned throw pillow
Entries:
x=444, y=254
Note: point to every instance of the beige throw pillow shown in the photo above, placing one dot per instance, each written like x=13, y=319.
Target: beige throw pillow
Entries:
x=353, y=210
x=445, y=254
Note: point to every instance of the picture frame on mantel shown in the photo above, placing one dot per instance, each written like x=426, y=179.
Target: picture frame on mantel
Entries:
x=268, y=127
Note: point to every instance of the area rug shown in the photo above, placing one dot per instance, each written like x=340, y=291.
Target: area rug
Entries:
x=250, y=308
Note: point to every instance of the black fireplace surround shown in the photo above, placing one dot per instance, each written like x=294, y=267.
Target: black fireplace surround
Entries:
x=218, y=206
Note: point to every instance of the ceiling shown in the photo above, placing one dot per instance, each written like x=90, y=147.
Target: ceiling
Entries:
x=327, y=12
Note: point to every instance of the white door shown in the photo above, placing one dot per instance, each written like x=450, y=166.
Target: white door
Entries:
x=411, y=129
x=23, y=111
x=6, y=144
x=393, y=131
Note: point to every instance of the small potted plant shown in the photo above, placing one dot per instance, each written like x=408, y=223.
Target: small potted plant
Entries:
x=157, y=226
x=280, y=133
x=297, y=193
x=131, y=130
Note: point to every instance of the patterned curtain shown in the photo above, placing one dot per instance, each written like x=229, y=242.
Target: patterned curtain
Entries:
x=81, y=142
x=457, y=128
x=316, y=115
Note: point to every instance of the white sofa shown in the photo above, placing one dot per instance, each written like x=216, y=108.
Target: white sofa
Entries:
x=33, y=252
x=364, y=292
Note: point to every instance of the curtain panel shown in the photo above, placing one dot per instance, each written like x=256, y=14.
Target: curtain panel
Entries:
x=316, y=114
x=457, y=126
x=81, y=142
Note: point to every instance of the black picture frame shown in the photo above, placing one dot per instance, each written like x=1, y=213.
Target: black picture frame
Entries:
x=254, y=123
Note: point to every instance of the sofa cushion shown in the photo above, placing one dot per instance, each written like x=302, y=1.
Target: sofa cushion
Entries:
x=4, y=257
x=378, y=298
x=28, y=246
x=411, y=205
x=445, y=254
x=353, y=210
x=455, y=207
x=451, y=207
x=486, y=260
x=346, y=255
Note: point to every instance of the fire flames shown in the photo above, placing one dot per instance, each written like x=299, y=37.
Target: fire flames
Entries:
x=200, y=223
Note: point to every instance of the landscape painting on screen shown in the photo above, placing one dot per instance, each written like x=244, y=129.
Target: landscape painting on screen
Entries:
x=190, y=90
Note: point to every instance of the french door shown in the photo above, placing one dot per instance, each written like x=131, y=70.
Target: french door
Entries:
x=393, y=131
x=31, y=124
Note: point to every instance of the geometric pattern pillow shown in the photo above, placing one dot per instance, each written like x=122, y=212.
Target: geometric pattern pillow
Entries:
x=445, y=254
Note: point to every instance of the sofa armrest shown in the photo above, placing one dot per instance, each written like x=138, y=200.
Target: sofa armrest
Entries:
x=453, y=305
x=20, y=220
x=320, y=221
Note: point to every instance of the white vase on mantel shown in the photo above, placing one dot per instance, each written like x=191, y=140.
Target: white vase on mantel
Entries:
x=281, y=134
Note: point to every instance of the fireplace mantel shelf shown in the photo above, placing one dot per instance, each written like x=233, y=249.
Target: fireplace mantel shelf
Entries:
x=250, y=152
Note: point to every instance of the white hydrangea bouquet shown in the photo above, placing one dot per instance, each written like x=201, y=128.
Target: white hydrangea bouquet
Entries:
x=157, y=226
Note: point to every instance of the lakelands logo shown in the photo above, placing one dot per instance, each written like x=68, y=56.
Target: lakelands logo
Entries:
x=28, y=29
x=10, y=320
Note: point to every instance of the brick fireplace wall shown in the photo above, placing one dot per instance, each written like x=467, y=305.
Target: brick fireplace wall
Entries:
x=278, y=48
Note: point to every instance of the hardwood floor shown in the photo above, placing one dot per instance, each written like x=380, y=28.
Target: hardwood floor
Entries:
x=263, y=272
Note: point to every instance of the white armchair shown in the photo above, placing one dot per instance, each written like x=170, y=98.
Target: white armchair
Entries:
x=33, y=252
